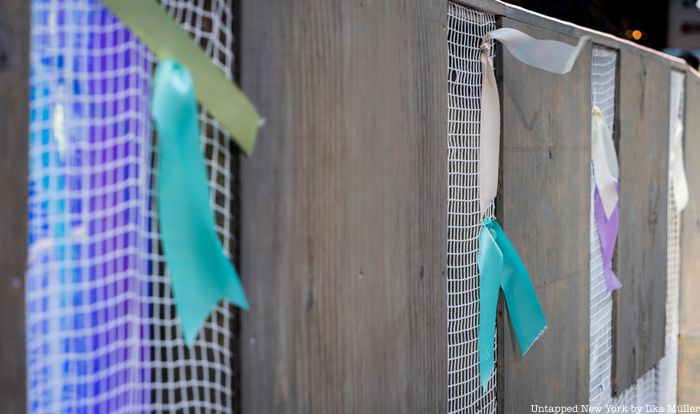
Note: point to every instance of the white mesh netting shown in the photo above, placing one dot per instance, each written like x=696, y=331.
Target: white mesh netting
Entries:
x=667, y=375
x=102, y=334
x=202, y=379
x=466, y=27
x=604, y=64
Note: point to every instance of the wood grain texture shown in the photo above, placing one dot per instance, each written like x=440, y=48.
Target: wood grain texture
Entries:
x=344, y=207
x=14, y=176
x=689, y=369
x=689, y=348
x=545, y=204
x=639, y=307
x=690, y=219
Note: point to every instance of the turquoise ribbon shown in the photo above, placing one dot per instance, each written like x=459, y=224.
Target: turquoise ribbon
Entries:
x=501, y=268
x=200, y=273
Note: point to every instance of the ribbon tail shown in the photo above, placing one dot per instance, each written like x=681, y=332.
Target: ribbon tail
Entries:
x=680, y=188
x=490, y=262
x=490, y=131
x=200, y=273
x=611, y=280
x=608, y=146
x=607, y=229
x=605, y=165
x=678, y=178
x=524, y=308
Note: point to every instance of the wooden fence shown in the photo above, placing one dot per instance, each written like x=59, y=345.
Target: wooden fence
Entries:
x=343, y=209
x=344, y=201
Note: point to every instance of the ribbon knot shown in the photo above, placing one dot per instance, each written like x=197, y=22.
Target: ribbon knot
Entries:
x=485, y=46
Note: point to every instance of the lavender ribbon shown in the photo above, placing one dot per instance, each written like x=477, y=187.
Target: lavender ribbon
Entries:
x=607, y=234
x=605, y=194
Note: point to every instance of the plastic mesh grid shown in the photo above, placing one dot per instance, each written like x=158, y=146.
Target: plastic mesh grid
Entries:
x=466, y=27
x=667, y=376
x=641, y=394
x=201, y=379
x=603, y=70
x=102, y=334
x=86, y=278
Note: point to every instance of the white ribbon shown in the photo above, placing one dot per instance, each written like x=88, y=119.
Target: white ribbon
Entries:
x=549, y=55
x=605, y=167
x=677, y=167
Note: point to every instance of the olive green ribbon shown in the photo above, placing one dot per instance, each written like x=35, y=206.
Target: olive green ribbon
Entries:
x=166, y=39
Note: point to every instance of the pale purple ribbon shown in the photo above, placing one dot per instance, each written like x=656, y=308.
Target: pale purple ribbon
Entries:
x=607, y=233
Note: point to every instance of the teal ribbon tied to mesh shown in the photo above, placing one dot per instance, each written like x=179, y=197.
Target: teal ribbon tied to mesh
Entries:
x=501, y=268
x=200, y=273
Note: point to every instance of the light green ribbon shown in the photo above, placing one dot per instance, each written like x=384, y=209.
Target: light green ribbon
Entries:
x=500, y=267
x=199, y=271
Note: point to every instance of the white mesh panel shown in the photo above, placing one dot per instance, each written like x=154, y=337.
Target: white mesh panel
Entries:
x=102, y=334
x=89, y=132
x=667, y=375
x=642, y=393
x=200, y=379
x=466, y=27
x=604, y=64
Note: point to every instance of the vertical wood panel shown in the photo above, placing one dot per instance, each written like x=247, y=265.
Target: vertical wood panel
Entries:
x=639, y=307
x=689, y=360
x=344, y=207
x=689, y=369
x=14, y=137
x=545, y=211
x=690, y=220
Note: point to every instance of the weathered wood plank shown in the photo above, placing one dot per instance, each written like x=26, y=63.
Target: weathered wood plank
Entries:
x=14, y=138
x=344, y=207
x=690, y=220
x=689, y=369
x=639, y=307
x=689, y=349
x=545, y=201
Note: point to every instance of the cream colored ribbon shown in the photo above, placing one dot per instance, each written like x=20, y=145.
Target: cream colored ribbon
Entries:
x=550, y=55
x=604, y=157
x=677, y=167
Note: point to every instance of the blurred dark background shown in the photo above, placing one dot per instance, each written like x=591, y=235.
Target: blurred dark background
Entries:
x=672, y=26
